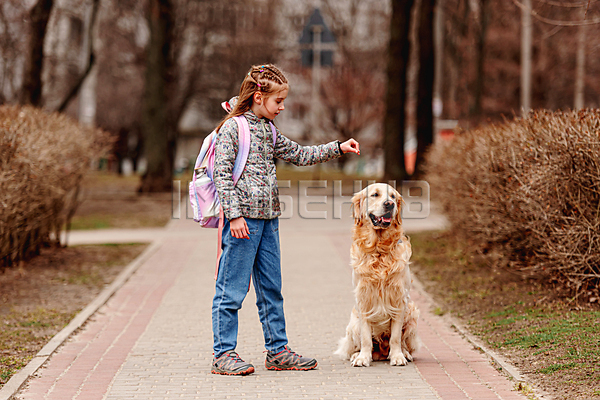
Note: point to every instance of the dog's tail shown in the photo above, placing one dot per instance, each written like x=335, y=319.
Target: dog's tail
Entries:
x=344, y=348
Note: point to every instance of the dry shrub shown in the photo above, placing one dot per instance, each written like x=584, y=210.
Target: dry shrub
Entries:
x=528, y=191
x=42, y=160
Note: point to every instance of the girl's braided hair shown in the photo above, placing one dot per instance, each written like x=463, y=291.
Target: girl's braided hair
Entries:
x=267, y=79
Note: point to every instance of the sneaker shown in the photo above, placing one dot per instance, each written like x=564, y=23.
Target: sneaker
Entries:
x=231, y=364
x=287, y=359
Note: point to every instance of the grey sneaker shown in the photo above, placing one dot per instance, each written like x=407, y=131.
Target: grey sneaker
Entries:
x=287, y=359
x=231, y=364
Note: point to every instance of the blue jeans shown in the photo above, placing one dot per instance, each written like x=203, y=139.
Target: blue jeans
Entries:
x=258, y=257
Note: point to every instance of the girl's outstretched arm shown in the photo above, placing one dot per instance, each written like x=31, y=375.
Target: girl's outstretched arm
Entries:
x=292, y=152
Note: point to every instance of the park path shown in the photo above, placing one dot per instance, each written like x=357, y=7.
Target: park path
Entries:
x=152, y=338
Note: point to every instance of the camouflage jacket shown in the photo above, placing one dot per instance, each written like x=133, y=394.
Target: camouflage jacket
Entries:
x=256, y=194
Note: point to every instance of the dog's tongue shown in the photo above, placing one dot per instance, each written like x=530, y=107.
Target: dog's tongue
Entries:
x=387, y=218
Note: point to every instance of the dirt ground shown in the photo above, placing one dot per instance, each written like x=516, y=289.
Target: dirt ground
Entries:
x=41, y=296
x=552, y=339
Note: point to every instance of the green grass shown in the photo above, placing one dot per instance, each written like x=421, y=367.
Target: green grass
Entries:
x=11, y=365
x=439, y=311
x=317, y=172
x=540, y=326
x=91, y=222
x=137, y=220
x=23, y=334
x=560, y=367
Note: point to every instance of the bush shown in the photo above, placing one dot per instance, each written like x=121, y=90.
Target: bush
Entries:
x=43, y=158
x=528, y=190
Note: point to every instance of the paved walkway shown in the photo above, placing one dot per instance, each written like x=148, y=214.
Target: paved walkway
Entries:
x=152, y=339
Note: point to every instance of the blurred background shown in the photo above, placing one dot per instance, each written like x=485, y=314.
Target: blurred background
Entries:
x=394, y=74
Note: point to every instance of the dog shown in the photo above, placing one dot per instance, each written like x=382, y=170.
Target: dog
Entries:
x=383, y=323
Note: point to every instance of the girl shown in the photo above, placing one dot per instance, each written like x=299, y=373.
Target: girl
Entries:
x=251, y=228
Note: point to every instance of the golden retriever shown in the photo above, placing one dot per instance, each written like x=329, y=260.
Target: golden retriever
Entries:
x=383, y=323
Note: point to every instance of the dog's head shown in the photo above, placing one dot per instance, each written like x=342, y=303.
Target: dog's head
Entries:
x=379, y=204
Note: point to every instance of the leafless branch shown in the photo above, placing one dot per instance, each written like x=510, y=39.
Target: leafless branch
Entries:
x=550, y=21
x=91, y=60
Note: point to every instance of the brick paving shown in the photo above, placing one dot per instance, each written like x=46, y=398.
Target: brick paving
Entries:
x=153, y=339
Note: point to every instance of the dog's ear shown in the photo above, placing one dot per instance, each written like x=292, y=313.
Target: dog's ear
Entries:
x=400, y=206
x=357, y=201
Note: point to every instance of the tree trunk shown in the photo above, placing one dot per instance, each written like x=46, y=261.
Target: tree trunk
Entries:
x=158, y=140
x=32, y=77
x=477, y=108
x=526, y=56
x=395, y=118
x=580, y=67
x=89, y=56
x=425, y=82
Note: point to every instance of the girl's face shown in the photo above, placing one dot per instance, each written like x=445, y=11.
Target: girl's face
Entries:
x=269, y=106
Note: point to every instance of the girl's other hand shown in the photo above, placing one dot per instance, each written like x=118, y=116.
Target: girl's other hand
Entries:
x=350, y=146
x=239, y=228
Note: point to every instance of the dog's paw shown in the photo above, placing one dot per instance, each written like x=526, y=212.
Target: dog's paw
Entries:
x=360, y=360
x=397, y=359
x=408, y=356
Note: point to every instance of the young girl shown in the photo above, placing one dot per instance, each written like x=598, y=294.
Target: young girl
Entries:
x=250, y=241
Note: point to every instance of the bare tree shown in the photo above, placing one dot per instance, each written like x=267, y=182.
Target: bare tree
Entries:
x=526, y=46
x=90, y=56
x=579, y=95
x=394, y=122
x=123, y=33
x=8, y=51
x=32, y=78
x=170, y=83
x=353, y=89
x=425, y=80
x=159, y=140
x=352, y=99
x=181, y=62
x=480, y=40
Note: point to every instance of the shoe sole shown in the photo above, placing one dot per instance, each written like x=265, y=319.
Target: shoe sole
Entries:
x=224, y=372
x=275, y=367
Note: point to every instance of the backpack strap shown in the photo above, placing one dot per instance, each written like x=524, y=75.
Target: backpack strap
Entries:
x=208, y=142
x=243, y=147
x=219, y=241
x=274, y=133
x=242, y=154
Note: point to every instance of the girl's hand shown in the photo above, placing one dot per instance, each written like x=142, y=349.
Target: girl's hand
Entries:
x=350, y=146
x=239, y=228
